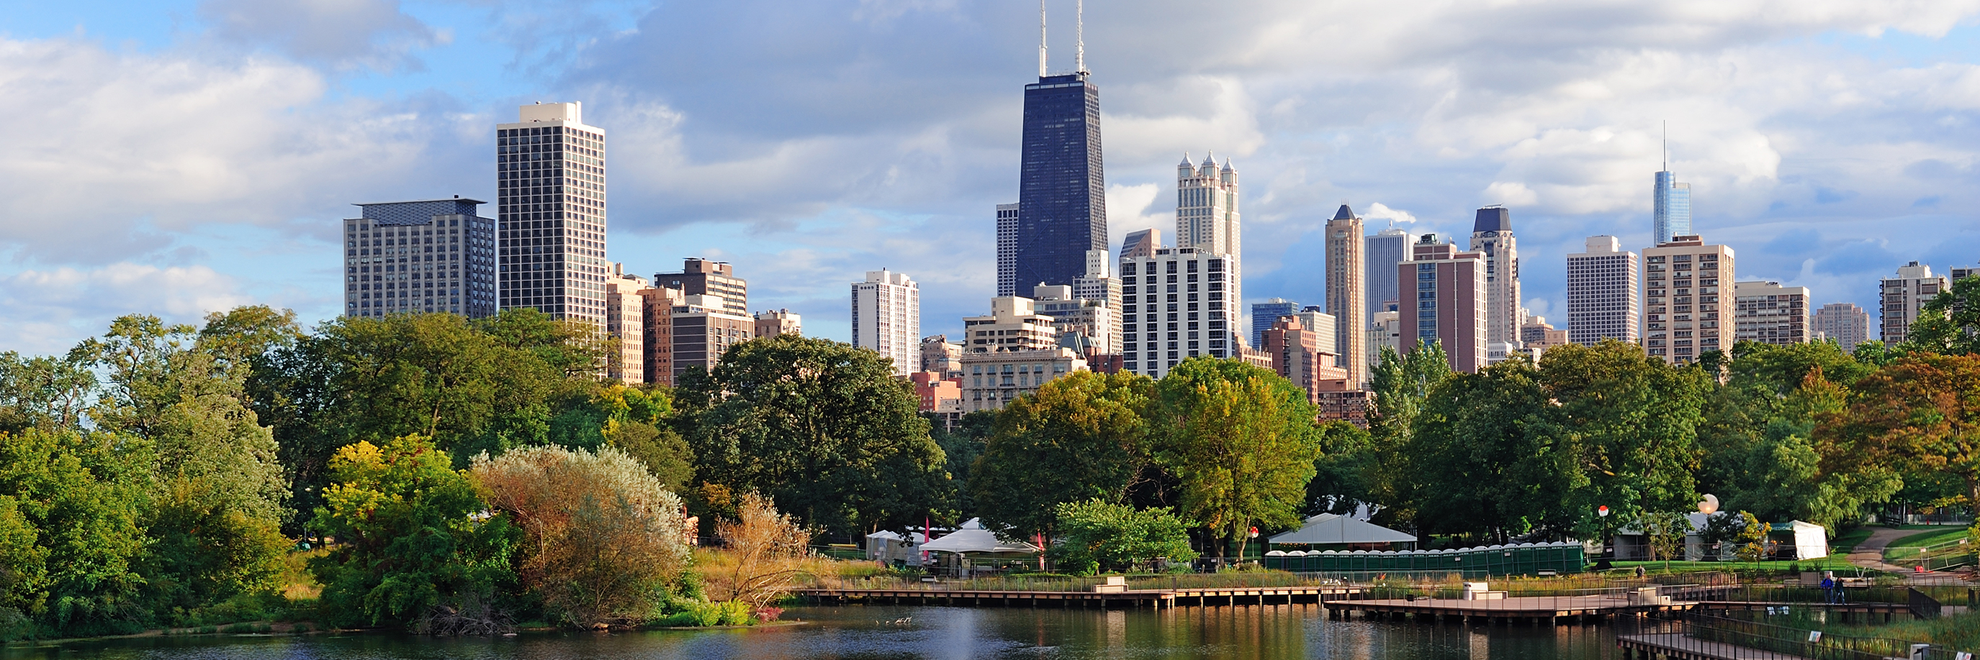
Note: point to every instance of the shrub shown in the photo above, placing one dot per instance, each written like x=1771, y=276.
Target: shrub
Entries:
x=762, y=555
x=1095, y=536
x=604, y=539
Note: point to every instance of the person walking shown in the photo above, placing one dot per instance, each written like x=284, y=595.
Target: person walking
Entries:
x=1829, y=587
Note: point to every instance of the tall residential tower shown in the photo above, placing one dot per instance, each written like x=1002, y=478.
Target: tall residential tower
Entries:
x=1492, y=235
x=1684, y=301
x=1347, y=295
x=886, y=318
x=552, y=212
x=430, y=256
x=1601, y=293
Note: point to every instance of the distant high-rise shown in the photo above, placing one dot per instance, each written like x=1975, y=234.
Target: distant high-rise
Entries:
x=773, y=322
x=625, y=322
x=1844, y=323
x=1007, y=235
x=1347, y=295
x=657, y=306
x=1178, y=305
x=1084, y=324
x=1207, y=207
x=1448, y=302
x=704, y=329
x=701, y=277
x=552, y=212
x=1673, y=209
x=1142, y=243
x=1684, y=311
x=1601, y=293
x=1769, y=313
x=1062, y=191
x=1492, y=235
x=428, y=256
x=1901, y=298
x=1301, y=354
x=1385, y=249
x=1264, y=313
x=886, y=318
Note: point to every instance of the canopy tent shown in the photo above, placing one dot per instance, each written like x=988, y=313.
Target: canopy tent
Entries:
x=1811, y=541
x=890, y=547
x=974, y=538
x=1335, y=529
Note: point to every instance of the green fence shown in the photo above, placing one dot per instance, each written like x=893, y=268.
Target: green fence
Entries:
x=1515, y=559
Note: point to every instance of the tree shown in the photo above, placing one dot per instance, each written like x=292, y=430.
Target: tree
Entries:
x=603, y=538
x=1922, y=410
x=763, y=554
x=1344, y=475
x=1666, y=532
x=1241, y=442
x=821, y=427
x=1401, y=384
x=43, y=393
x=79, y=501
x=1079, y=437
x=1949, y=324
x=412, y=547
x=1486, y=458
x=1632, y=422
x=1095, y=535
x=960, y=447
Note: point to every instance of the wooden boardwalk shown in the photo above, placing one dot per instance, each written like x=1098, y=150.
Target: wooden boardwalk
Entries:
x=1133, y=598
x=1869, y=611
x=1676, y=646
x=1534, y=609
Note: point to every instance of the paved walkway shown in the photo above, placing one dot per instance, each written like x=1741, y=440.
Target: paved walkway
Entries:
x=1870, y=553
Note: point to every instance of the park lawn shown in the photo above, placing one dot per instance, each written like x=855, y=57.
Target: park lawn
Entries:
x=1931, y=538
x=1848, y=540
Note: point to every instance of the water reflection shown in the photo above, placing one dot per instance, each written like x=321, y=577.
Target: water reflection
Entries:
x=862, y=633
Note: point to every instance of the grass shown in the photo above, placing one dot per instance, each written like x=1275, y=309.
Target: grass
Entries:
x=1925, y=539
x=1849, y=539
x=1958, y=631
x=1835, y=562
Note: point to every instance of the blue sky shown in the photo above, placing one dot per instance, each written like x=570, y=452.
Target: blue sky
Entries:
x=179, y=157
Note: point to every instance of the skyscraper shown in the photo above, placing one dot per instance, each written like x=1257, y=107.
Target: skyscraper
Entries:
x=657, y=306
x=1601, y=293
x=1492, y=235
x=1448, y=302
x=1062, y=192
x=1007, y=233
x=1769, y=313
x=1901, y=298
x=1178, y=305
x=886, y=318
x=1683, y=312
x=1207, y=207
x=1844, y=323
x=1385, y=249
x=429, y=256
x=1265, y=313
x=1346, y=293
x=1673, y=208
x=552, y=212
x=1142, y=243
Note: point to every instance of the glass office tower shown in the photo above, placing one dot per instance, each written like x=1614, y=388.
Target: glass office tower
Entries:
x=1673, y=214
x=1062, y=194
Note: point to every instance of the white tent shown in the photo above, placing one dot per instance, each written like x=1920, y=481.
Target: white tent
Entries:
x=1811, y=541
x=974, y=538
x=1331, y=529
x=888, y=547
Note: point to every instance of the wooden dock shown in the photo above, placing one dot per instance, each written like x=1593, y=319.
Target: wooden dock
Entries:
x=1677, y=646
x=1530, y=609
x=1133, y=598
x=1848, y=610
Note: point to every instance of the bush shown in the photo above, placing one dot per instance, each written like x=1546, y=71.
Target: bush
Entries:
x=1095, y=536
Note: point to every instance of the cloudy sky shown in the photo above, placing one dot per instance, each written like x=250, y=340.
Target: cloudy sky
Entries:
x=175, y=157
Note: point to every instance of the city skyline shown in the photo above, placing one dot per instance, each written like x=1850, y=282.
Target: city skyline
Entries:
x=229, y=200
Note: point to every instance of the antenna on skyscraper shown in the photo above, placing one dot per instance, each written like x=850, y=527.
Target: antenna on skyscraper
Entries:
x=1041, y=38
x=1079, y=32
x=1667, y=145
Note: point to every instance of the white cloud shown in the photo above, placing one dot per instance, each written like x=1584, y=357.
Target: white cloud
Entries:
x=341, y=33
x=1133, y=208
x=1380, y=211
x=1510, y=193
x=50, y=309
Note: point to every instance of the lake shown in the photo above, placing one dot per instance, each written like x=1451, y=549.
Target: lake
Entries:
x=857, y=632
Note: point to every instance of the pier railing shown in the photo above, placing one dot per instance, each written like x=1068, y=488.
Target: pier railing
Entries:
x=1699, y=631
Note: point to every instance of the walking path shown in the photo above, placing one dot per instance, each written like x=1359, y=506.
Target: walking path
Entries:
x=1870, y=553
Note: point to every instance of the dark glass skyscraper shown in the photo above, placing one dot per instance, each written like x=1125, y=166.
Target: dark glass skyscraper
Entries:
x=1062, y=193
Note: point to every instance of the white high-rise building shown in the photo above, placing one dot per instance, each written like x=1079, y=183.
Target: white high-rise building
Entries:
x=1844, y=323
x=551, y=181
x=1179, y=303
x=1685, y=312
x=1007, y=239
x=1602, y=293
x=625, y=322
x=886, y=317
x=1207, y=207
x=1769, y=313
x=1901, y=297
x=1492, y=235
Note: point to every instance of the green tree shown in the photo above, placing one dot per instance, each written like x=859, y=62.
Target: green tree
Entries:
x=960, y=447
x=1633, y=423
x=43, y=393
x=821, y=427
x=1949, y=324
x=1922, y=411
x=1240, y=441
x=1486, y=458
x=1079, y=437
x=411, y=546
x=1401, y=384
x=1344, y=474
x=1095, y=535
x=82, y=499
